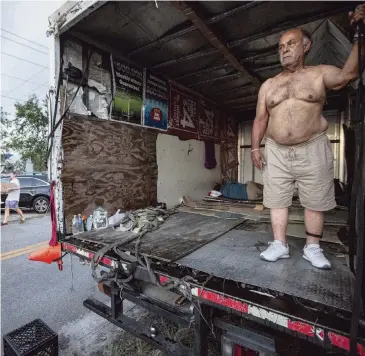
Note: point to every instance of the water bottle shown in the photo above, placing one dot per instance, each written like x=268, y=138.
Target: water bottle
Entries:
x=89, y=223
x=80, y=223
x=100, y=218
x=75, y=225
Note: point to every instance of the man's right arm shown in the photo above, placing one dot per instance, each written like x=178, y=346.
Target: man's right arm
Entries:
x=16, y=183
x=259, y=125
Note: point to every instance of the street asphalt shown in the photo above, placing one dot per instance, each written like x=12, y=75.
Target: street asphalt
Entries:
x=31, y=290
x=29, y=214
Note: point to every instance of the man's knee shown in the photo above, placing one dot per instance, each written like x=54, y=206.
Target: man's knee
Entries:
x=314, y=211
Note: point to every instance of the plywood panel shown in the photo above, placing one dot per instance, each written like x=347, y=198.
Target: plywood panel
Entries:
x=107, y=163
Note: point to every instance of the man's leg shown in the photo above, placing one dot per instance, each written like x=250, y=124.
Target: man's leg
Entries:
x=278, y=194
x=6, y=215
x=278, y=248
x=314, y=221
x=316, y=194
x=279, y=223
x=21, y=214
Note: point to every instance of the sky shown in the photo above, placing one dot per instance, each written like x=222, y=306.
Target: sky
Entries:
x=27, y=19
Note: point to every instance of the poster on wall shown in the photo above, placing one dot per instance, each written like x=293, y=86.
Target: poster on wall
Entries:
x=229, y=154
x=229, y=160
x=230, y=174
x=183, y=115
x=128, y=92
x=209, y=128
x=155, y=102
x=229, y=131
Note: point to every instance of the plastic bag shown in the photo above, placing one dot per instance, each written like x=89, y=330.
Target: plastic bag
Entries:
x=116, y=218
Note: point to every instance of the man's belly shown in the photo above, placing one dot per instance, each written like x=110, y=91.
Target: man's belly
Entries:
x=295, y=126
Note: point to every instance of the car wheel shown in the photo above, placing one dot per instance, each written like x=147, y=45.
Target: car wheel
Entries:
x=40, y=204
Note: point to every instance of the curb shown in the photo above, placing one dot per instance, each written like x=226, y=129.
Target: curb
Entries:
x=10, y=221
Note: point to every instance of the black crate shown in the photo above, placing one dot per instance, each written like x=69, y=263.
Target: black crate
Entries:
x=33, y=339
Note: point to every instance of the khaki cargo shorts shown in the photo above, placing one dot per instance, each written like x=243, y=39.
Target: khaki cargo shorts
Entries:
x=310, y=164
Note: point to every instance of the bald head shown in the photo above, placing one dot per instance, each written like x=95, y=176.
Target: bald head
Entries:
x=299, y=32
x=293, y=46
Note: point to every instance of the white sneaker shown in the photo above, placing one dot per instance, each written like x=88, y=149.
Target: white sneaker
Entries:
x=313, y=253
x=275, y=251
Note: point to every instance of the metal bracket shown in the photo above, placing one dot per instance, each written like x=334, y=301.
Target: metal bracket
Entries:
x=139, y=330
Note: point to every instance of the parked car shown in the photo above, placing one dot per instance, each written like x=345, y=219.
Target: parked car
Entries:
x=34, y=192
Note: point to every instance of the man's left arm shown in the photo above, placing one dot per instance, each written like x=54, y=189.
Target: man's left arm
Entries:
x=336, y=78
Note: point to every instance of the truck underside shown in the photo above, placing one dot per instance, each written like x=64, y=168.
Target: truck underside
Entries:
x=201, y=267
x=215, y=260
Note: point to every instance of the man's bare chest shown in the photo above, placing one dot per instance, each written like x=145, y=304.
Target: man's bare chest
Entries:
x=304, y=88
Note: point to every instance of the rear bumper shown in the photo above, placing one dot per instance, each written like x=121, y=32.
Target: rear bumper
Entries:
x=310, y=331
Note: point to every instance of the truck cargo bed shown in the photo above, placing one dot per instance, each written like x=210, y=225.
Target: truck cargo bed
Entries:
x=235, y=256
x=229, y=249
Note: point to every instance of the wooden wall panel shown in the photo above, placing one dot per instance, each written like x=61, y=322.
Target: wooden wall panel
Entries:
x=229, y=160
x=107, y=163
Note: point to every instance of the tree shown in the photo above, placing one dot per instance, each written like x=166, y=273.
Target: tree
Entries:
x=7, y=164
x=27, y=132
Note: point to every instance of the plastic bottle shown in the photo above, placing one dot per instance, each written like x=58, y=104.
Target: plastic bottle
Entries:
x=80, y=223
x=75, y=225
x=100, y=218
x=89, y=223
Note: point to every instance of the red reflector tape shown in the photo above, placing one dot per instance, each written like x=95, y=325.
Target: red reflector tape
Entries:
x=219, y=299
x=108, y=261
x=69, y=248
x=301, y=327
x=343, y=342
x=337, y=340
x=340, y=341
x=163, y=279
x=105, y=260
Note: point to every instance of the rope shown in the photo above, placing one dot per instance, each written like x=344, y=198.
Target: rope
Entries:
x=140, y=221
x=143, y=221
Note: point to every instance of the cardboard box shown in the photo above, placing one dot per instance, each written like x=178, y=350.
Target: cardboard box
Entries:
x=4, y=186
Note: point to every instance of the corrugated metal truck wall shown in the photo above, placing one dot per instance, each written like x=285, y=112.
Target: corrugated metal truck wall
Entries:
x=335, y=118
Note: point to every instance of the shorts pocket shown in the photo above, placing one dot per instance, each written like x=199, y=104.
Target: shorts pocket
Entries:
x=264, y=155
x=329, y=154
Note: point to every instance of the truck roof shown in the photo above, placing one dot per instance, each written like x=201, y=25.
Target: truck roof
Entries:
x=225, y=55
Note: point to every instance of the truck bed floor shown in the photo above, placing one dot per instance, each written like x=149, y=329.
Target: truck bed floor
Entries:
x=235, y=256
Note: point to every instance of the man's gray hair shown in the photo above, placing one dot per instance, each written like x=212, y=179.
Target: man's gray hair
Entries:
x=306, y=35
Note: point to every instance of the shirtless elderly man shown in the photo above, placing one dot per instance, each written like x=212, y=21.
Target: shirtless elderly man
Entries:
x=289, y=110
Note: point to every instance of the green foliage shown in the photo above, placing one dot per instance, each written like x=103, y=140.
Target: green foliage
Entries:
x=27, y=132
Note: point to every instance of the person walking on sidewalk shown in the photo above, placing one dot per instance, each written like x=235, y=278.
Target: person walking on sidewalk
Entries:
x=12, y=200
